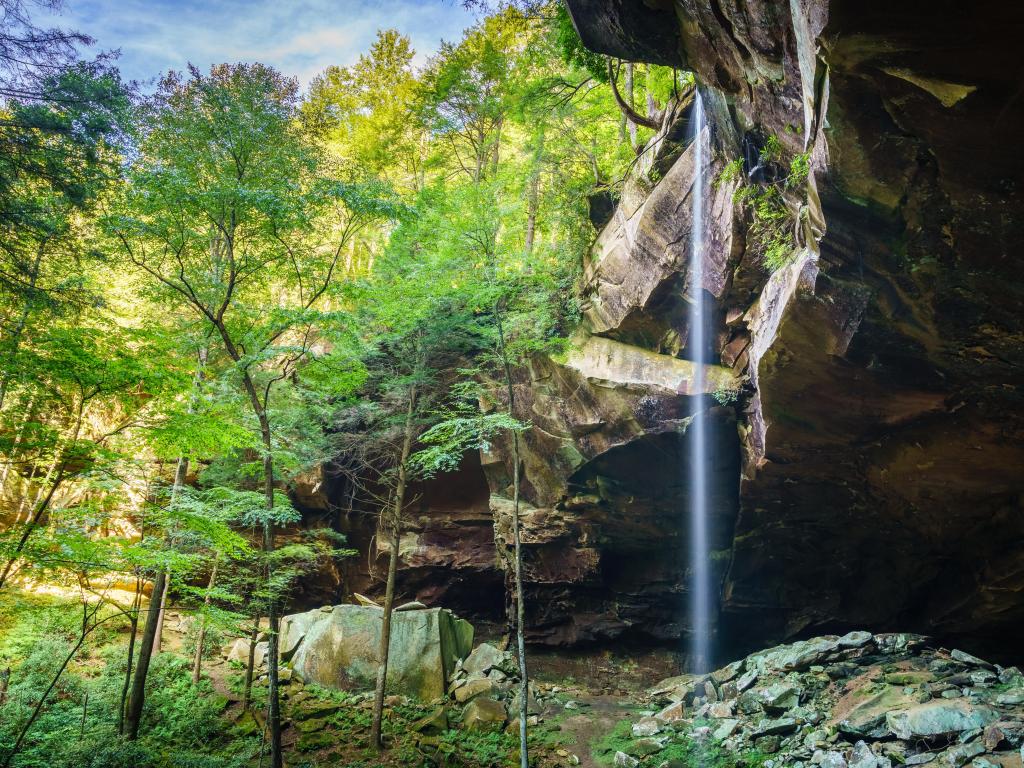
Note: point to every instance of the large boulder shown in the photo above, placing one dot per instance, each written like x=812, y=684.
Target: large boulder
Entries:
x=340, y=648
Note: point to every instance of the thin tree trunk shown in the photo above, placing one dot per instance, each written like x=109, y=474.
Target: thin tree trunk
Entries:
x=532, y=195
x=197, y=662
x=628, y=84
x=389, y=593
x=138, y=695
x=133, y=619
x=496, y=147
x=159, y=640
x=524, y=686
x=250, y=666
x=180, y=473
x=5, y=680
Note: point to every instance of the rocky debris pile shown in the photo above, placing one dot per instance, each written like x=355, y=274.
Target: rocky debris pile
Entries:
x=485, y=687
x=856, y=701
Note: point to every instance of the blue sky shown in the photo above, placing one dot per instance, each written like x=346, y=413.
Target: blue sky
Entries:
x=298, y=37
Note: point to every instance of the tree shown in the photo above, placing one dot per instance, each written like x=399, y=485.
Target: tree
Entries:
x=230, y=211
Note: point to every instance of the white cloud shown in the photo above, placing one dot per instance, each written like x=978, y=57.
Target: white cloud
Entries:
x=298, y=37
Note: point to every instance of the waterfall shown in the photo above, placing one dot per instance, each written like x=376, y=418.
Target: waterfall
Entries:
x=700, y=588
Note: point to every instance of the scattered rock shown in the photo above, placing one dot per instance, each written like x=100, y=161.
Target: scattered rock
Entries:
x=484, y=714
x=433, y=724
x=646, y=726
x=478, y=686
x=622, y=760
x=965, y=658
x=937, y=719
x=483, y=658
x=413, y=605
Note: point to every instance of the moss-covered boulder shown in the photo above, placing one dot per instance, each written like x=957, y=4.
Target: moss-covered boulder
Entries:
x=340, y=648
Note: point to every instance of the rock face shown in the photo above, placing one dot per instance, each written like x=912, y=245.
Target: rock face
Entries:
x=865, y=402
x=880, y=427
x=339, y=647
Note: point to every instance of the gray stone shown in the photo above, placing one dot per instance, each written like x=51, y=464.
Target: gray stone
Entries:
x=855, y=639
x=645, y=747
x=983, y=677
x=239, y=651
x=479, y=686
x=483, y=658
x=340, y=649
x=776, y=726
x=294, y=628
x=746, y=680
x=646, y=726
x=779, y=696
x=414, y=605
x=956, y=756
x=725, y=729
x=260, y=657
x=920, y=759
x=484, y=715
x=797, y=656
x=828, y=759
x=938, y=718
x=1011, y=697
x=433, y=724
x=728, y=672
x=622, y=760
x=965, y=658
x=863, y=757
x=671, y=713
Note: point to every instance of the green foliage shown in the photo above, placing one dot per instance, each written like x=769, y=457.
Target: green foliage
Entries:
x=772, y=225
x=799, y=169
x=618, y=739
x=472, y=748
x=733, y=171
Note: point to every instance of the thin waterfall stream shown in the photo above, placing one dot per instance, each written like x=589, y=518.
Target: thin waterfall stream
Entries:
x=700, y=588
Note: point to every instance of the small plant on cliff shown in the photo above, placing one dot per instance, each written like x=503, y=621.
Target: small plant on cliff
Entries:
x=772, y=221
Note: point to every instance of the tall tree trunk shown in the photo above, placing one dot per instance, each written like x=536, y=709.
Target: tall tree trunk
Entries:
x=628, y=84
x=495, y=148
x=133, y=619
x=138, y=695
x=159, y=641
x=273, y=693
x=389, y=593
x=532, y=194
x=197, y=661
x=524, y=686
x=180, y=473
x=251, y=664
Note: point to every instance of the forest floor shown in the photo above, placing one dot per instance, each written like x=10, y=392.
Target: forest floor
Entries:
x=588, y=699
